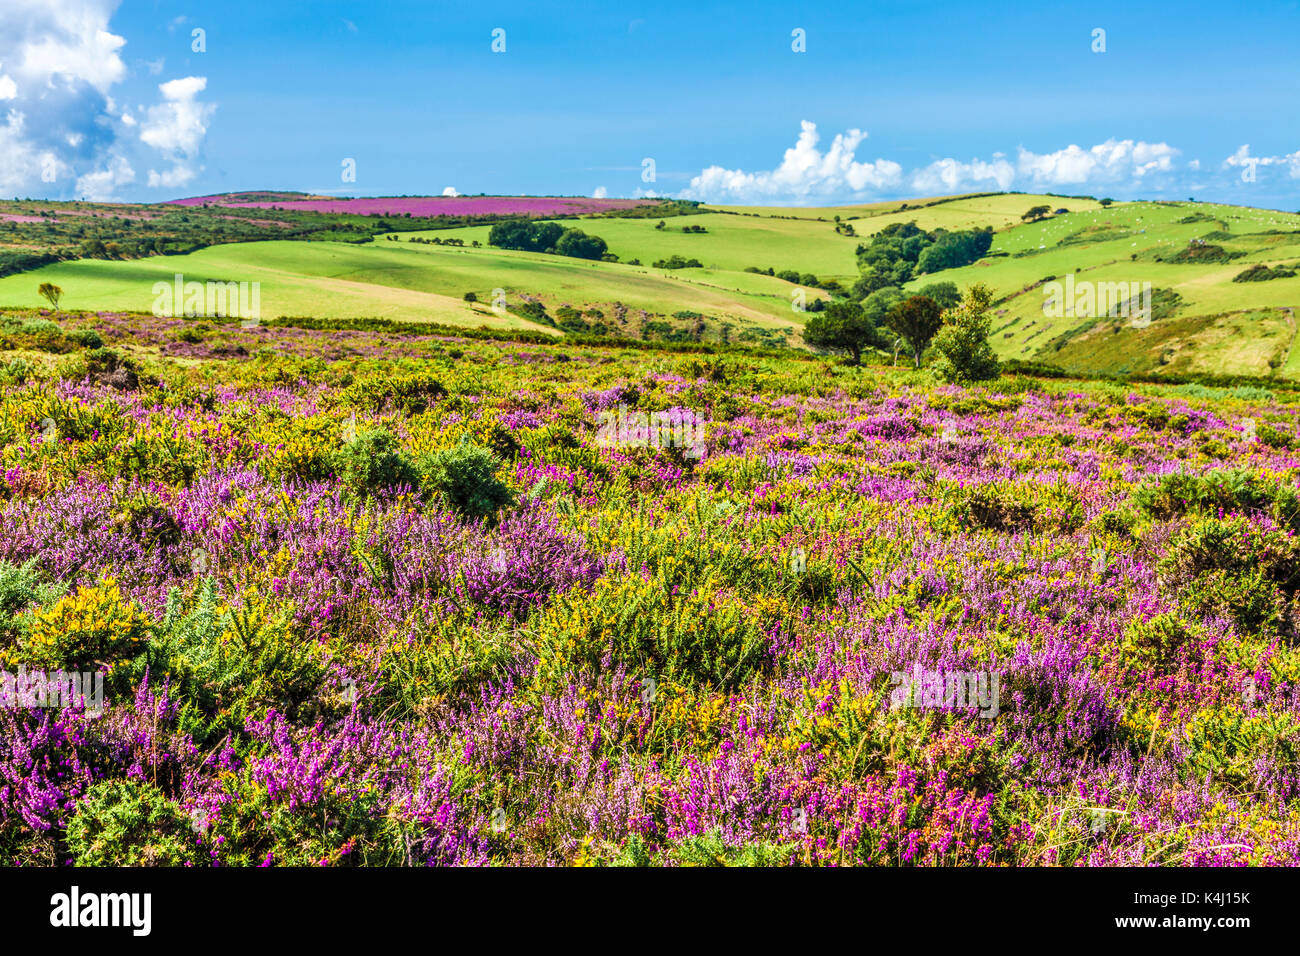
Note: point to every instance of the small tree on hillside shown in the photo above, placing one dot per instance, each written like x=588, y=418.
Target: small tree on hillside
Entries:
x=51, y=292
x=945, y=293
x=1035, y=213
x=842, y=327
x=916, y=319
x=963, y=343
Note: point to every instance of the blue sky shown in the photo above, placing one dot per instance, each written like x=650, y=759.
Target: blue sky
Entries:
x=925, y=98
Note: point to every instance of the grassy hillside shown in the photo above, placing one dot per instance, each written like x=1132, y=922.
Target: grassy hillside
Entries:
x=1190, y=253
x=1209, y=323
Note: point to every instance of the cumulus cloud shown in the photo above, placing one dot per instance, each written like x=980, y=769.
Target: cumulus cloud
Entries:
x=1112, y=161
x=176, y=127
x=949, y=175
x=178, y=124
x=57, y=62
x=450, y=191
x=805, y=172
x=60, y=128
x=102, y=184
x=1242, y=157
x=600, y=192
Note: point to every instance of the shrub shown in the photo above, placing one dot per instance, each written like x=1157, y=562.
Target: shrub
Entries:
x=1262, y=273
x=466, y=477
x=677, y=262
x=86, y=338
x=695, y=638
x=579, y=245
x=374, y=461
x=1235, y=569
x=1218, y=490
x=94, y=626
x=129, y=823
x=409, y=394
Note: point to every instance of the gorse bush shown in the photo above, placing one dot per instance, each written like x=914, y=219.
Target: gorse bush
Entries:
x=1219, y=490
x=374, y=461
x=635, y=622
x=130, y=823
x=465, y=476
x=1234, y=568
x=94, y=626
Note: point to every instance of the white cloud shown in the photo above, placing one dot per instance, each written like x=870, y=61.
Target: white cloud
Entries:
x=59, y=60
x=177, y=176
x=61, y=40
x=599, y=193
x=1108, y=162
x=950, y=175
x=101, y=184
x=1242, y=157
x=179, y=123
x=176, y=128
x=805, y=172
x=450, y=191
x=60, y=128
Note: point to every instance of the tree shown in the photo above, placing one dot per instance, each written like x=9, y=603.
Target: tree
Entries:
x=875, y=307
x=963, y=343
x=524, y=235
x=916, y=319
x=1035, y=213
x=579, y=245
x=945, y=293
x=841, y=328
x=1105, y=202
x=51, y=292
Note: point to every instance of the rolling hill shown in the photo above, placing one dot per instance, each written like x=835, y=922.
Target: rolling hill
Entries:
x=1188, y=254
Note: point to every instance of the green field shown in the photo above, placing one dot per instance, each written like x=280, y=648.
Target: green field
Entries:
x=1218, y=325
x=1205, y=322
x=408, y=281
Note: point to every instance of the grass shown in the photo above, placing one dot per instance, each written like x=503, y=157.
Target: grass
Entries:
x=1216, y=325
x=1239, y=328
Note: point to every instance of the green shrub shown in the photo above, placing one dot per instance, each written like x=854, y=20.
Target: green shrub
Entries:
x=409, y=394
x=963, y=343
x=1218, y=490
x=1232, y=568
x=229, y=664
x=710, y=850
x=466, y=477
x=374, y=461
x=125, y=823
x=86, y=338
